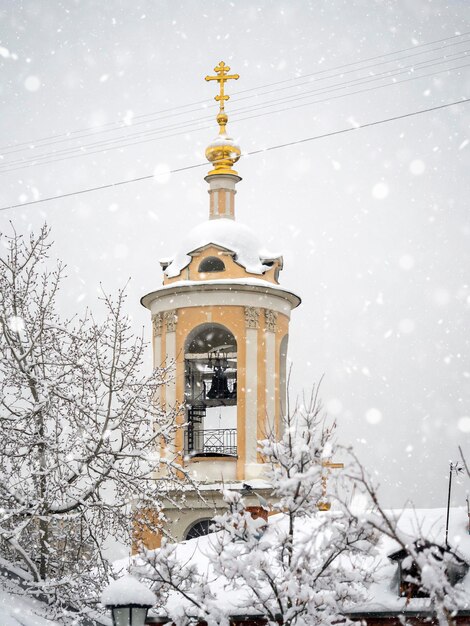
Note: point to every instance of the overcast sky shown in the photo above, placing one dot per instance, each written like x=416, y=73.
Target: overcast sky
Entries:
x=373, y=224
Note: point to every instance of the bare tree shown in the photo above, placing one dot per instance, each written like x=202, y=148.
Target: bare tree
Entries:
x=79, y=430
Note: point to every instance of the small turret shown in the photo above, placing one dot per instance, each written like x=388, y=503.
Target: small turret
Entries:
x=223, y=153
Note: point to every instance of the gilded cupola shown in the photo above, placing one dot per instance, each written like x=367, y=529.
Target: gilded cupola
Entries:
x=223, y=152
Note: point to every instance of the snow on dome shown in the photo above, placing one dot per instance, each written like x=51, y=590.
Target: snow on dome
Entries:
x=228, y=234
x=127, y=590
x=224, y=140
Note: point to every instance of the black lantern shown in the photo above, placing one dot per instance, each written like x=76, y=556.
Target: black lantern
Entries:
x=129, y=601
x=129, y=615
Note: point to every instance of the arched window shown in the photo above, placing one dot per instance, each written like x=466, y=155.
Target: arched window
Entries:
x=211, y=264
x=211, y=391
x=199, y=529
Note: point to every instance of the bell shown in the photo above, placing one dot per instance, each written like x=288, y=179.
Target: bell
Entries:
x=219, y=387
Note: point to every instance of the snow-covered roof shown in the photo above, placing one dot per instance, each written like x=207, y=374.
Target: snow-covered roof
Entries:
x=383, y=595
x=227, y=234
x=232, y=284
x=430, y=524
x=21, y=611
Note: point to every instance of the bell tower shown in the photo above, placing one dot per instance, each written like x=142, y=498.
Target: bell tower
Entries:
x=222, y=318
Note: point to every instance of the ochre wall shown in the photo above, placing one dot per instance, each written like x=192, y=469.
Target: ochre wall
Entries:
x=232, y=268
x=233, y=318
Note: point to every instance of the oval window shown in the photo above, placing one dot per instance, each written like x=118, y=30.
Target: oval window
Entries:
x=211, y=264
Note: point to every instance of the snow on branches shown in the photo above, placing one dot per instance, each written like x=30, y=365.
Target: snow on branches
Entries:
x=79, y=430
x=298, y=569
x=427, y=568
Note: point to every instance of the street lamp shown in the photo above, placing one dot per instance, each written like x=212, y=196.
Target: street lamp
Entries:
x=129, y=601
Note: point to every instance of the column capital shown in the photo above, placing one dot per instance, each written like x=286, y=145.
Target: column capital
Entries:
x=170, y=320
x=157, y=324
x=271, y=320
x=252, y=317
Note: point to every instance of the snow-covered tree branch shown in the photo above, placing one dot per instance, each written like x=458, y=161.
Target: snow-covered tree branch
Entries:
x=79, y=428
x=433, y=568
x=305, y=567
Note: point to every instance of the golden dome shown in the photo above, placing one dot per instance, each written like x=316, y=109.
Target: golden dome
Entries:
x=223, y=152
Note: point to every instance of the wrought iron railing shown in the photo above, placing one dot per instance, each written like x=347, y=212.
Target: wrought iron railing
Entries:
x=214, y=441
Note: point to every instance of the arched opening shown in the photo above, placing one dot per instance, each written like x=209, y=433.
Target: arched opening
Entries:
x=211, y=264
x=211, y=391
x=199, y=529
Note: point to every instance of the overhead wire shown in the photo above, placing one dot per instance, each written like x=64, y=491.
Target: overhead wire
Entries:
x=251, y=153
x=405, y=80
x=128, y=135
x=83, y=150
x=380, y=56
x=68, y=138
x=363, y=68
x=120, y=124
x=358, y=81
x=234, y=117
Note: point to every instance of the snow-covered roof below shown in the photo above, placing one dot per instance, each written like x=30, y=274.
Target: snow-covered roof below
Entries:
x=383, y=594
x=21, y=611
x=225, y=233
x=430, y=524
x=254, y=483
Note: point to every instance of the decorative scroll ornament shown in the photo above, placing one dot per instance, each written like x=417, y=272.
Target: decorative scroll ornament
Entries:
x=271, y=320
x=251, y=317
x=170, y=320
x=157, y=323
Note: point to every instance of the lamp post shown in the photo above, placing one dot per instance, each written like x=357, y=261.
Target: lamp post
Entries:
x=457, y=469
x=128, y=600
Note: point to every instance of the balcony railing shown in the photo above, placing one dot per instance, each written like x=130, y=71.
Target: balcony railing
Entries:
x=211, y=442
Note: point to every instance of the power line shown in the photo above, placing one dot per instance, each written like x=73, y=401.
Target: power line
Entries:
x=119, y=124
x=68, y=153
x=380, y=56
x=131, y=135
x=353, y=93
x=359, y=81
x=172, y=114
x=252, y=153
x=240, y=119
x=360, y=69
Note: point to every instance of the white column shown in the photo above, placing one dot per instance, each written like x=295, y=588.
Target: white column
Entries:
x=222, y=184
x=157, y=323
x=251, y=396
x=270, y=339
x=157, y=351
x=169, y=320
x=251, y=392
x=170, y=345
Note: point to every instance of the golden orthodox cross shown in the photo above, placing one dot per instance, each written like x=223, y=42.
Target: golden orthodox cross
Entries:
x=222, y=77
x=323, y=504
